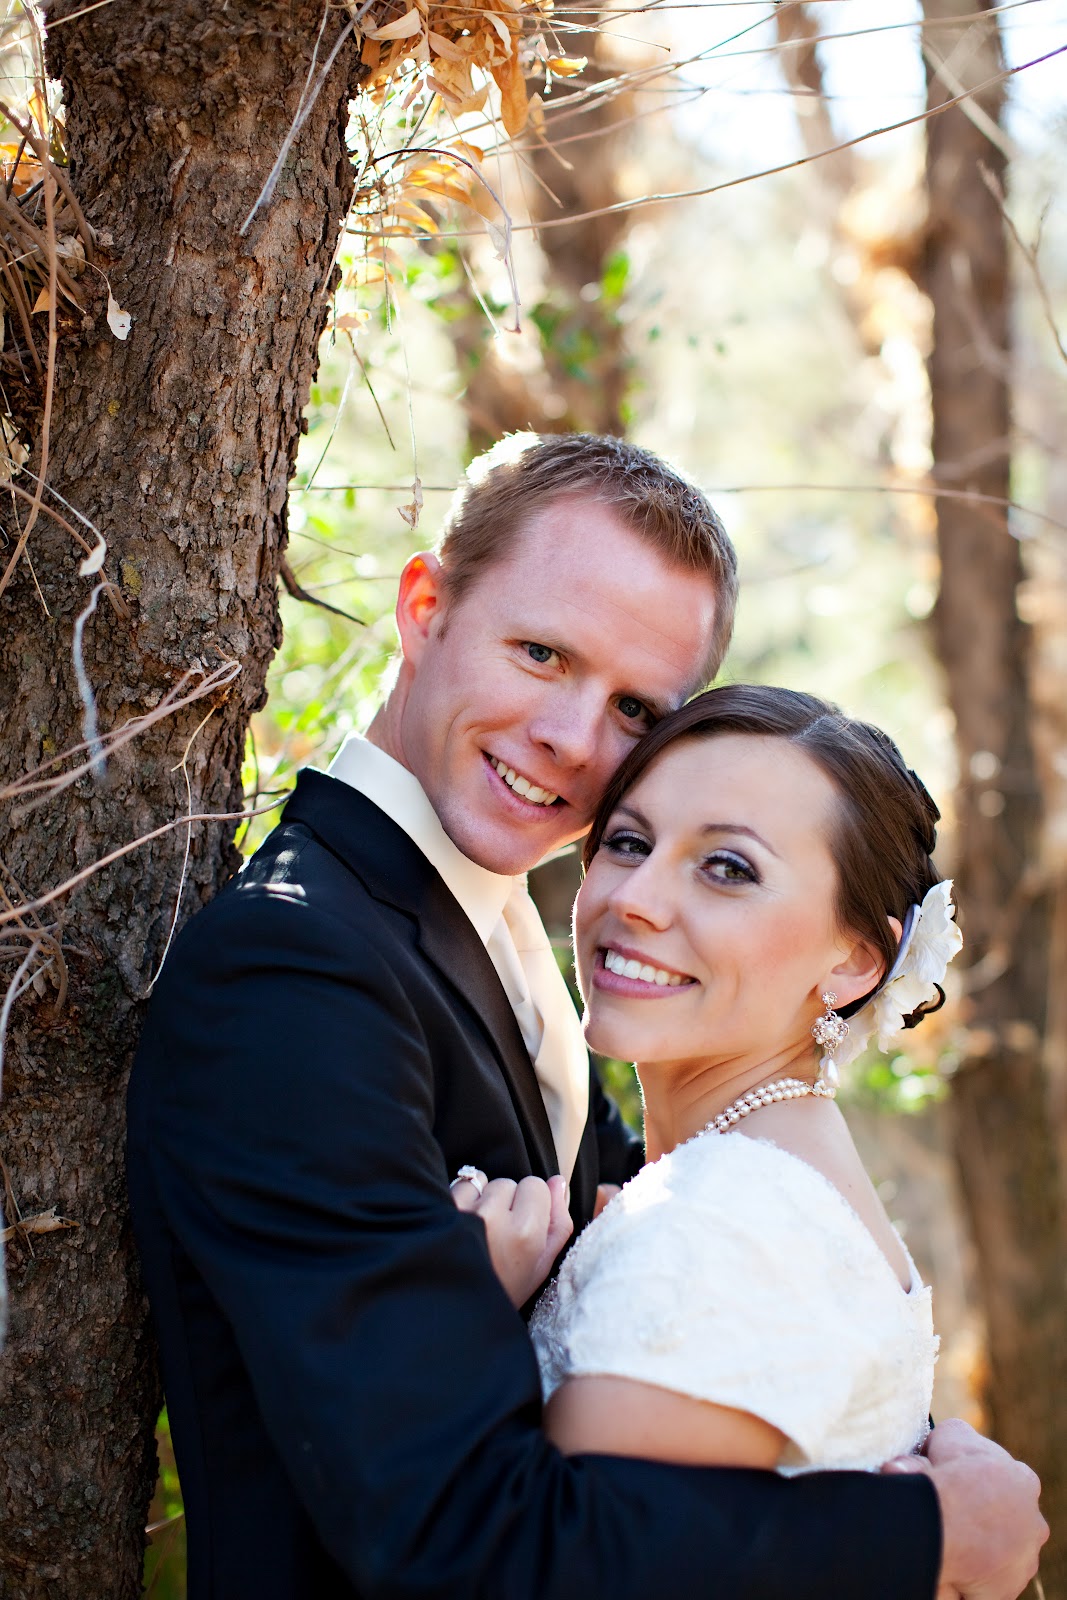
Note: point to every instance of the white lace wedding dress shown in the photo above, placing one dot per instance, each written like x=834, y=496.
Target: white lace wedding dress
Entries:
x=732, y=1271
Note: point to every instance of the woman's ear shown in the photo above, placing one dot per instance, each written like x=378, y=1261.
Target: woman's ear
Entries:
x=862, y=969
x=420, y=603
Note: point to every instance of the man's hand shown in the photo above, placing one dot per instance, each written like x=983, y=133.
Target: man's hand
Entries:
x=526, y=1226
x=993, y=1530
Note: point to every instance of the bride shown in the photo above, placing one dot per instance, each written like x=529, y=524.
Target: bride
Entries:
x=759, y=900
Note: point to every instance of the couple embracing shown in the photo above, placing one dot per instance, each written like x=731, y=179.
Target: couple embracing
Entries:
x=363, y=1124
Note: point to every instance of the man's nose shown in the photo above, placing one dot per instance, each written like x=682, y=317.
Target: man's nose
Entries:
x=573, y=728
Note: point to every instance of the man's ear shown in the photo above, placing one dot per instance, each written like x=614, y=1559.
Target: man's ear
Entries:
x=420, y=603
x=861, y=971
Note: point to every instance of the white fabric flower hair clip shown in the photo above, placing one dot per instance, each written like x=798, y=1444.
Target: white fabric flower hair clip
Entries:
x=928, y=942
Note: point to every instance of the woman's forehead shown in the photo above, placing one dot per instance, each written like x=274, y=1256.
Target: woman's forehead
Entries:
x=767, y=776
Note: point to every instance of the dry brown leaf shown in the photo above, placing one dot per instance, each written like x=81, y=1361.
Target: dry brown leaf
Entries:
x=498, y=234
x=371, y=53
x=118, y=321
x=43, y=301
x=441, y=189
x=502, y=29
x=351, y=321
x=408, y=211
x=566, y=66
x=445, y=48
x=43, y=1222
x=514, y=106
x=369, y=271
x=410, y=512
x=404, y=27
x=484, y=203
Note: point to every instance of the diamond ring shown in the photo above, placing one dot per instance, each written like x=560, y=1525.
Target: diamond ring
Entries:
x=470, y=1175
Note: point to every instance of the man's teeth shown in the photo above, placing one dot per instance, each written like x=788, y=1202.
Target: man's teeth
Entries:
x=627, y=967
x=523, y=786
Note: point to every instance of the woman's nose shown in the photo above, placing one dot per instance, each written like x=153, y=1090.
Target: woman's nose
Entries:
x=642, y=895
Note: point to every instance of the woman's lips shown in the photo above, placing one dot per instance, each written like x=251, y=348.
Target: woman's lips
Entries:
x=623, y=972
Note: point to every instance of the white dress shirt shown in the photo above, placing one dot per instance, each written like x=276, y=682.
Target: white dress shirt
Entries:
x=508, y=924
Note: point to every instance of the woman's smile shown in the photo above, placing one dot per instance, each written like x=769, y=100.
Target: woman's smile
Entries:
x=620, y=969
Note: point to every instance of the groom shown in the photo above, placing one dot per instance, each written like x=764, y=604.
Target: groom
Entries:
x=367, y=1008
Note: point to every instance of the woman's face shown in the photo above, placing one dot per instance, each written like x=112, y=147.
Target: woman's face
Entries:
x=705, y=926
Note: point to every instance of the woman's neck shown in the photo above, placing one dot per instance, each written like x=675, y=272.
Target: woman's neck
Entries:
x=681, y=1098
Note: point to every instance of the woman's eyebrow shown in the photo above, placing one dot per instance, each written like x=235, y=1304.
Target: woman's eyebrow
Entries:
x=739, y=827
x=634, y=815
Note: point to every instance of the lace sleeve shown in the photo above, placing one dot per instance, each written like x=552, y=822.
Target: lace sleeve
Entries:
x=733, y=1272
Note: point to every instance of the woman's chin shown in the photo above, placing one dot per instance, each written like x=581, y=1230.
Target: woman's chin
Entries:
x=605, y=1039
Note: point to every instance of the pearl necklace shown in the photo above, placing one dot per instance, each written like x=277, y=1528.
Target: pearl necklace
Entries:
x=780, y=1089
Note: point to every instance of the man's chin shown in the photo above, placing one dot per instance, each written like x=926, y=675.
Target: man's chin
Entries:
x=506, y=850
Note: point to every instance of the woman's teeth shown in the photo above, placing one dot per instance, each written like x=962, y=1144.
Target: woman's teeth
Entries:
x=523, y=786
x=627, y=967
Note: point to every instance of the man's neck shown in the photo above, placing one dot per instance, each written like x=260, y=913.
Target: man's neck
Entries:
x=384, y=731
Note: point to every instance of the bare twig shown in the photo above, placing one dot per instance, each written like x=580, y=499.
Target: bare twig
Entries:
x=308, y=97
x=18, y=985
x=124, y=850
x=90, y=723
x=176, y=699
x=183, y=768
x=1029, y=255
x=668, y=197
x=50, y=380
x=298, y=592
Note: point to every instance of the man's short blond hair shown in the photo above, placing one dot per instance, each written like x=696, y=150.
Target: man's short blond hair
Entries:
x=525, y=472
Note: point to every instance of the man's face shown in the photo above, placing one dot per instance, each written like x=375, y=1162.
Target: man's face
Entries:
x=524, y=695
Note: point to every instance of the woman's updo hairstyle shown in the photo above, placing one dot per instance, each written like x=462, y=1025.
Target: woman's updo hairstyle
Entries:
x=886, y=819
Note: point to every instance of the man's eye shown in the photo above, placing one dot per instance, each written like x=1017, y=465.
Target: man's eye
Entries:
x=540, y=653
x=725, y=867
x=634, y=709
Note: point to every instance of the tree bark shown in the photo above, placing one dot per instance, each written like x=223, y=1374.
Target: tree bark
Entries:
x=178, y=445
x=1005, y=1140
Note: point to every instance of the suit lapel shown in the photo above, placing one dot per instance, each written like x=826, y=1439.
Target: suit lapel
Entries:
x=463, y=961
x=395, y=871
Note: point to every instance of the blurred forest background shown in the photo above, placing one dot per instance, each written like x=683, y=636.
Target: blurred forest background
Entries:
x=856, y=345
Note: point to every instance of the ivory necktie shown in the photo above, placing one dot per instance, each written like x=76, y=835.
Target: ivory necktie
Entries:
x=520, y=951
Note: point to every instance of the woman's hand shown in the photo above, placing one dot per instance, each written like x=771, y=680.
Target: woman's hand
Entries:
x=526, y=1226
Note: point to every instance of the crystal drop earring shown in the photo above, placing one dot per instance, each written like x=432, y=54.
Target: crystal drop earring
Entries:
x=828, y=1031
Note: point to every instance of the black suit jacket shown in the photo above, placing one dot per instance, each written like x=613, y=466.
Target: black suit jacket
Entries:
x=354, y=1402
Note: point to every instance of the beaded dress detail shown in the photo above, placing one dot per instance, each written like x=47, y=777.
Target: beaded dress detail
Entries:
x=733, y=1271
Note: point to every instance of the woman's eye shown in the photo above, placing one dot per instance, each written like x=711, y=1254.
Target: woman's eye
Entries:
x=726, y=867
x=541, y=653
x=634, y=710
x=626, y=844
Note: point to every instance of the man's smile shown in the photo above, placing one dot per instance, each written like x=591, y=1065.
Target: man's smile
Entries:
x=522, y=786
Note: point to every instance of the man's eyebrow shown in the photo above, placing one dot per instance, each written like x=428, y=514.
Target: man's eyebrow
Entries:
x=658, y=707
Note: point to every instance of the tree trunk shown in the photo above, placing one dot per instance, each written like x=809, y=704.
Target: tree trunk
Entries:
x=178, y=445
x=1005, y=1142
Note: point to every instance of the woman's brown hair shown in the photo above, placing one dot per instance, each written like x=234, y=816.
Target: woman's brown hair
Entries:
x=886, y=831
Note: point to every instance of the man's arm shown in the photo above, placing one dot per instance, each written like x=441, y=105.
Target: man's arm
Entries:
x=293, y=1153
x=994, y=1530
